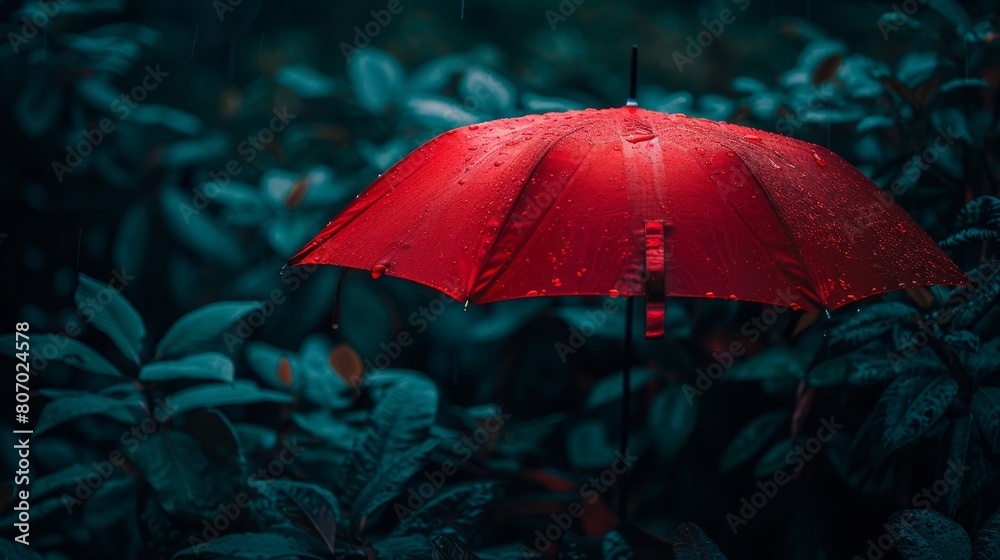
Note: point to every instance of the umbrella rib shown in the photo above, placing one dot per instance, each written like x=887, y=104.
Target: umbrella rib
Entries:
x=784, y=227
x=527, y=180
x=752, y=232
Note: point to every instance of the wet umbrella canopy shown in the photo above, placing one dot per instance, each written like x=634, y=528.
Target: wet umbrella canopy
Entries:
x=632, y=202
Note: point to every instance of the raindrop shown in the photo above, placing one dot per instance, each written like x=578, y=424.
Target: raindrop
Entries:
x=730, y=153
x=753, y=138
x=378, y=270
x=532, y=293
x=819, y=160
x=473, y=147
x=556, y=282
x=701, y=151
x=640, y=138
x=498, y=163
x=474, y=127
x=709, y=294
x=613, y=293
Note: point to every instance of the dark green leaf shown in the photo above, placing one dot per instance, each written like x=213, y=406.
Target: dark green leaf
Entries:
x=240, y=391
x=986, y=411
x=313, y=508
x=201, y=326
x=462, y=508
x=392, y=447
x=66, y=409
x=672, y=419
x=210, y=366
x=691, y=543
x=66, y=350
x=924, y=534
x=751, y=439
x=251, y=546
x=909, y=407
x=774, y=459
x=987, y=545
x=195, y=471
x=112, y=314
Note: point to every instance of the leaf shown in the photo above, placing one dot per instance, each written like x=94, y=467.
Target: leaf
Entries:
x=486, y=91
x=10, y=550
x=195, y=329
x=66, y=409
x=773, y=363
x=969, y=235
x=392, y=447
x=691, y=543
x=460, y=508
x=987, y=545
x=925, y=90
x=251, y=546
x=318, y=509
x=210, y=366
x=608, y=390
x=826, y=69
x=194, y=471
x=900, y=89
x=751, y=439
x=986, y=411
x=804, y=322
x=66, y=350
x=925, y=534
x=672, y=419
x=774, y=459
x=868, y=324
x=921, y=296
x=375, y=77
x=872, y=122
x=437, y=113
x=969, y=457
x=240, y=391
x=346, y=362
x=977, y=299
x=115, y=318
x=909, y=407
x=962, y=340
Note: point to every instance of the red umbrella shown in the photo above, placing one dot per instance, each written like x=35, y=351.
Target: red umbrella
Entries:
x=631, y=202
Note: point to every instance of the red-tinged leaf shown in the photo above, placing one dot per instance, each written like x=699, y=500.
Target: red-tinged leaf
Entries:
x=826, y=69
x=805, y=321
x=285, y=371
x=921, y=296
x=925, y=90
x=297, y=193
x=347, y=363
x=900, y=89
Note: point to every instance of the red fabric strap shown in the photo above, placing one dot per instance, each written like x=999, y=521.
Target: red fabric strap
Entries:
x=654, y=285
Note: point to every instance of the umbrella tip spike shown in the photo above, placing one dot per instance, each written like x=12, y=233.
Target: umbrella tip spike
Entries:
x=631, y=102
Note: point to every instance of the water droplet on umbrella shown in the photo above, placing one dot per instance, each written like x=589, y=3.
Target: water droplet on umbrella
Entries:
x=473, y=147
x=701, y=151
x=378, y=270
x=753, y=138
x=730, y=154
x=556, y=282
x=532, y=293
x=635, y=139
x=474, y=127
x=819, y=160
x=498, y=163
x=461, y=181
x=709, y=294
x=613, y=293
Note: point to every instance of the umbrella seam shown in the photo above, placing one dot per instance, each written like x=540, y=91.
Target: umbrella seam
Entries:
x=524, y=187
x=784, y=228
x=753, y=234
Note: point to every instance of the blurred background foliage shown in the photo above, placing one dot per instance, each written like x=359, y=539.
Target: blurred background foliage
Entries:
x=155, y=224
